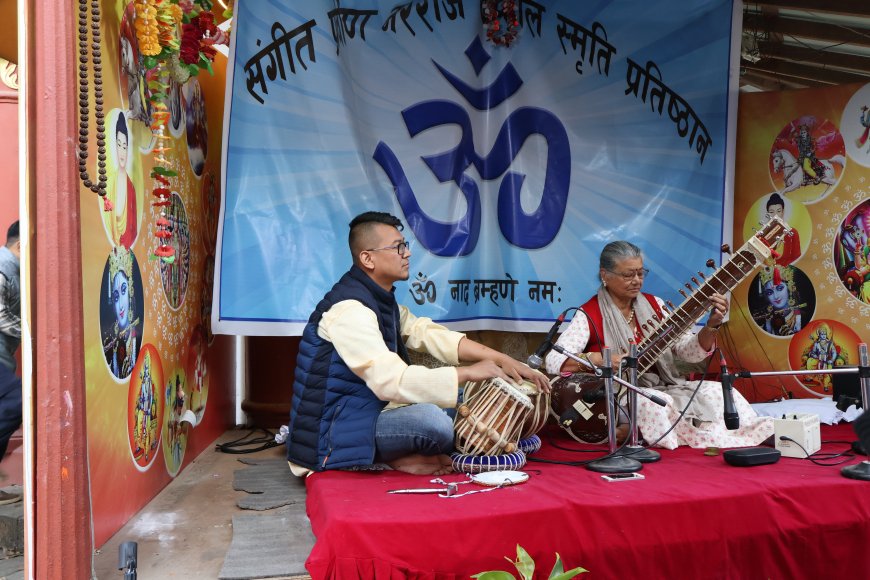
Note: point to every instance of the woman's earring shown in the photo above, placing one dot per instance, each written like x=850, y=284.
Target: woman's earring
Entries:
x=604, y=282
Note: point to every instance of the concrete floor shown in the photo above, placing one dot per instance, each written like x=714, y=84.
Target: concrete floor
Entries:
x=186, y=530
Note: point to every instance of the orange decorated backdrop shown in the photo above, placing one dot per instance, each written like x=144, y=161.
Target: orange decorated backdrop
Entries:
x=158, y=381
x=803, y=155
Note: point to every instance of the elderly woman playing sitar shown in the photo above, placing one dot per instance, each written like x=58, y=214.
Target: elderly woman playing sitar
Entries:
x=619, y=312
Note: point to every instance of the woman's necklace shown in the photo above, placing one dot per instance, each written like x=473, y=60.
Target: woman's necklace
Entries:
x=630, y=318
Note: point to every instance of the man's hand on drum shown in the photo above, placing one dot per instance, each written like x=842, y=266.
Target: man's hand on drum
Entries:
x=481, y=371
x=497, y=364
x=518, y=371
x=507, y=369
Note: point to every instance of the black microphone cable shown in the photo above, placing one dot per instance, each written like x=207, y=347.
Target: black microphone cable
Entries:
x=240, y=446
x=816, y=457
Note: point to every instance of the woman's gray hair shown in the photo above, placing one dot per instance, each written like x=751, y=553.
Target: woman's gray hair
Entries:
x=618, y=251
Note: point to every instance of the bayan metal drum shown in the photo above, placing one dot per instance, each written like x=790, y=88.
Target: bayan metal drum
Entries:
x=579, y=405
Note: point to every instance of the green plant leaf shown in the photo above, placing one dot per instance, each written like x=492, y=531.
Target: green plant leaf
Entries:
x=205, y=63
x=495, y=575
x=525, y=565
x=558, y=568
x=569, y=574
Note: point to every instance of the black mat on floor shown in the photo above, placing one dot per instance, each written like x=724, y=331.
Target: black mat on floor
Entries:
x=269, y=484
x=268, y=546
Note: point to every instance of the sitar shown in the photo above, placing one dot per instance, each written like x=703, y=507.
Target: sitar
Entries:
x=660, y=334
x=571, y=392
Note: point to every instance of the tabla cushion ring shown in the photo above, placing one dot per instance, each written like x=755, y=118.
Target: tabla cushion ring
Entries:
x=467, y=463
x=530, y=444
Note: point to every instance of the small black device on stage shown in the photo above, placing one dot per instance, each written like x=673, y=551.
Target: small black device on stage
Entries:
x=750, y=456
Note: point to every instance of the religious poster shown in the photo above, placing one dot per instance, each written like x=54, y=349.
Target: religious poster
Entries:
x=147, y=255
x=512, y=152
x=803, y=156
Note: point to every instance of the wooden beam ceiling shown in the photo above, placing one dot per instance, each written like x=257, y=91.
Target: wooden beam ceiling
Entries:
x=823, y=58
x=768, y=82
x=831, y=33
x=842, y=7
x=809, y=74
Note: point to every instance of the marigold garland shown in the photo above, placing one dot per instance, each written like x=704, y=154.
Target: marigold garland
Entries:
x=176, y=39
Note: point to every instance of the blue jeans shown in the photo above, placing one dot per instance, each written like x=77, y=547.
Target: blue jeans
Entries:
x=10, y=406
x=421, y=428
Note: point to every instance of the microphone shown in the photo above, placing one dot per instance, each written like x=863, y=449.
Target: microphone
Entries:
x=732, y=418
x=536, y=360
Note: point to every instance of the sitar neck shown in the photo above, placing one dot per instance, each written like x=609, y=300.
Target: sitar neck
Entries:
x=660, y=334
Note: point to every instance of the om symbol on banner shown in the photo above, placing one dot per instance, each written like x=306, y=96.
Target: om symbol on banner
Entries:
x=525, y=230
x=423, y=289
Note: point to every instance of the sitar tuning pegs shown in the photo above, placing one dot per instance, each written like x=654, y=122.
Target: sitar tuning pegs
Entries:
x=695, y=280
x=671, y=305
x=701, y=274
x=710, y=264
x=683, y=293
x=726, y=248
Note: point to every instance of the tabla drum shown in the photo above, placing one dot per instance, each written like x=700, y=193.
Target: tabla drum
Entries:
x=491, y=418
x=578, y=404
x=540, y=409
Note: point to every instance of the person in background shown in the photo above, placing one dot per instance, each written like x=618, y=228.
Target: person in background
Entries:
x=10, y=339
x=357, y=400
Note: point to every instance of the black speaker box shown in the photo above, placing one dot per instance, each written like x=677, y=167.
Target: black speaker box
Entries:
x=846, y=385
x=750, y=456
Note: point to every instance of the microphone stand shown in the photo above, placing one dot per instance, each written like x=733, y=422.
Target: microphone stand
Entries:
x=612, y=463
x=634, y=449
x=861, y=470
x=599, y=372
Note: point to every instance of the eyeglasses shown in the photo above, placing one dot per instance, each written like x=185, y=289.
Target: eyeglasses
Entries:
x=627, y=276
x=401, y=248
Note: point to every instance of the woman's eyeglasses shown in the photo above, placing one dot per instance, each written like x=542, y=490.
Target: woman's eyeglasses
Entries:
x=641, y=273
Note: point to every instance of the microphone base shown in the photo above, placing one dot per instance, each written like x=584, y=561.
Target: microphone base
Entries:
x=615, y=464
x=857, y=471
x=639, y=453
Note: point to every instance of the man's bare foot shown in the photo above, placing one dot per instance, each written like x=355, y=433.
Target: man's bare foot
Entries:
x=423, y=464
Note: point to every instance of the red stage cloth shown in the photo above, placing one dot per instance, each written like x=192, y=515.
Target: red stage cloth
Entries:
x=694, y=516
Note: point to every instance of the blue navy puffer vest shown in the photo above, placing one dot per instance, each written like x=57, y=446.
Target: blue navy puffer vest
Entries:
x=333, y=414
